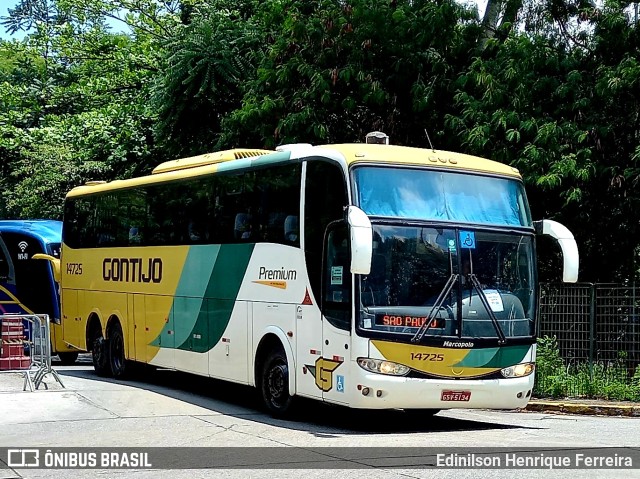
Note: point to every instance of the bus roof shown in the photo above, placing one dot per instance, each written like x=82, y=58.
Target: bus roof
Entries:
x=406, y=155
x=238, y=159
x=48, y=231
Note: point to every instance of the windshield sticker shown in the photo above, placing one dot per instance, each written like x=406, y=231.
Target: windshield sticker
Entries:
x=467, y=239
x=452, y=245
x=495, y=300
x=336, y=275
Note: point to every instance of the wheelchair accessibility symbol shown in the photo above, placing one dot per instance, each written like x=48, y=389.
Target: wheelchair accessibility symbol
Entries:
x=340, y=383
x=467, y=239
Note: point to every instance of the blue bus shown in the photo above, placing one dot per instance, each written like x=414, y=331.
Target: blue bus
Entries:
x=27, y=285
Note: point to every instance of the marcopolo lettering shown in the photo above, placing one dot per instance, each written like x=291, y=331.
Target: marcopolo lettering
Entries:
x=281, y=273
x=132, y=270
x=456, y=344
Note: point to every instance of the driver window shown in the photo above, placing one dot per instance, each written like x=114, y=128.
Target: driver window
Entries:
x=337, y=277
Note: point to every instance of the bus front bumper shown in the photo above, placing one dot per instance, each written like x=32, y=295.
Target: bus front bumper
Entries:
x=377, y=391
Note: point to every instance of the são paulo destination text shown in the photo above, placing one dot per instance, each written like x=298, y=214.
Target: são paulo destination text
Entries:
x=533, y=460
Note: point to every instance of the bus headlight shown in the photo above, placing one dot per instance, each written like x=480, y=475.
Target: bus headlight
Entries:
x=518, y=371
x=381, y=366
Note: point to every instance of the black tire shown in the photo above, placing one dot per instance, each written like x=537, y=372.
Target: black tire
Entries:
x=100, y=356
x=274, y=384
x=68, y=358
x=117, y=358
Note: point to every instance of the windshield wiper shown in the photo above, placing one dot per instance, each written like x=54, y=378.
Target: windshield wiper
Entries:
x=436, y=307
x=487, y=306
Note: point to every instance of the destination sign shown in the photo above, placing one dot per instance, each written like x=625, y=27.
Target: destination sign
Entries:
x=407, y=321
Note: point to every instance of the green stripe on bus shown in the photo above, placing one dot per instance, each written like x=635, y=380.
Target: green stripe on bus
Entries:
x=477, y=358
x=247, y=163
x=494, y=357
x=221, y=293
x=508, y=356
x=192, y=286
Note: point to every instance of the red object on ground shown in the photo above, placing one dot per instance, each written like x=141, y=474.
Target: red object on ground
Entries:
x=12, y=354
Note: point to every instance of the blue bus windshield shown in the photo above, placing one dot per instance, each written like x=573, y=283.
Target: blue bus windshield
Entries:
x=26, y=284
x=435, y=195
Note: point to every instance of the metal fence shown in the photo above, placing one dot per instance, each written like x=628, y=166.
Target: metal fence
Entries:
x=597, y=330
x=25, y=347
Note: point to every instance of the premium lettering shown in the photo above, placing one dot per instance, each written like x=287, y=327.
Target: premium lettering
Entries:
x=132, y=270
x=281, y=273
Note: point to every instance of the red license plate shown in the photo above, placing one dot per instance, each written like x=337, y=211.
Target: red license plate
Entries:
x=455, y=396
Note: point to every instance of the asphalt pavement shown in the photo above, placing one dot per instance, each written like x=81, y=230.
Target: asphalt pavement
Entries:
x=169, y=410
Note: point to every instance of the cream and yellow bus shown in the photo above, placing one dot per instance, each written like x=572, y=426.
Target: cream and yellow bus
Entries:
x=366, y=275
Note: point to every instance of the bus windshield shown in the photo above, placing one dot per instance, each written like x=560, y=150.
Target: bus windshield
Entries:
x=492, y=292
x=429, y=194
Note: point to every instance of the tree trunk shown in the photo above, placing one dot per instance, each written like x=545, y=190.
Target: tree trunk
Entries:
x=490, y=21
x=492, y=17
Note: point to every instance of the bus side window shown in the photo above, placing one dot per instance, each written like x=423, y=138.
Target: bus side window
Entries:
x=291, y=229
x=5, y=265
x=242, y=229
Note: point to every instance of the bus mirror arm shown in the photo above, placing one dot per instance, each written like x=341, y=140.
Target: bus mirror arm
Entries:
x=567, y=243
x=361, y=236
x=55, y=264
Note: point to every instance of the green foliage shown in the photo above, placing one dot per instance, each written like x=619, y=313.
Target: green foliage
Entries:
x=556, y=96
x=332, y=72
x=74, y=108
x=609, y=381
x=206, y=64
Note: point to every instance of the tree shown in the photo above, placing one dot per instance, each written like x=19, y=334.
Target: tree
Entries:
x=333, y=71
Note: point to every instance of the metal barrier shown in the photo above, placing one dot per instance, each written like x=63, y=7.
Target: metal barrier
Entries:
x=592, y=322
x=597, y=332
x=25, y=346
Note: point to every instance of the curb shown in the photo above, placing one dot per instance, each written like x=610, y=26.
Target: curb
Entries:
x=599, y=409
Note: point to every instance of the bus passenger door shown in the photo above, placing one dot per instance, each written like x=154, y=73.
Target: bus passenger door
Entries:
x=137, y=328
x=336, y=311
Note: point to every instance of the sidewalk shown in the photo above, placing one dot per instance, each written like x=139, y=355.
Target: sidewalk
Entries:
x=594, y=407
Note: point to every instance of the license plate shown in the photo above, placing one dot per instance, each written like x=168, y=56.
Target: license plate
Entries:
x=455, y=396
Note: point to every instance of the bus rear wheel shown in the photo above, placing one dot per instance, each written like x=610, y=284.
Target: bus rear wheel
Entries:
x=68, y=358
x=117, y=359
x=274, y=383
x=100, y=356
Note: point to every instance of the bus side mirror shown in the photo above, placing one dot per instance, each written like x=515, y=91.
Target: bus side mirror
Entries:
x=55, y=264
x=567, y=243
x=361, y=235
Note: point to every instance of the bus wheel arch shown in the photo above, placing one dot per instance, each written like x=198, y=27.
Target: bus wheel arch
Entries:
x=98, y=346
x=274, y=371
x=117, y=359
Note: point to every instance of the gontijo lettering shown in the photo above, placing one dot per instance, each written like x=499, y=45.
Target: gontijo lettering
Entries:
x=281, y=273
x=132, y=270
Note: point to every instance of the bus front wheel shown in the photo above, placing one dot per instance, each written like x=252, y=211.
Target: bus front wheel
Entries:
x=117, y=359
x=274, y=383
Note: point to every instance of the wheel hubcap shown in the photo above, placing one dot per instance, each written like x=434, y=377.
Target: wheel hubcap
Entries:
x=276, y=382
